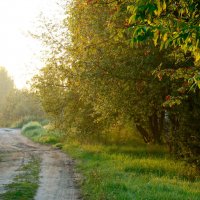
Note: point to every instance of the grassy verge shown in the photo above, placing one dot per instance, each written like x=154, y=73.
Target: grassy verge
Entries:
x=139, y=172
x=25, y=184
x=37, y=133
x=25, y=120
x=133, y=173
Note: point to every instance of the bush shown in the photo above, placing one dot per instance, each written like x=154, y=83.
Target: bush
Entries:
x=25, y=120
x=36, y=132
x=31, y=126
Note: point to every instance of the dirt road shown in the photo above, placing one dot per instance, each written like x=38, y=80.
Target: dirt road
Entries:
x=56, y=176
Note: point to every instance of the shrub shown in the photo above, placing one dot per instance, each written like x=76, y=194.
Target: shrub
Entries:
x=31, y=126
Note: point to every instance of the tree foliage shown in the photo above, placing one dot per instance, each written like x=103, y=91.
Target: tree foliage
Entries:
x=170, y=24
x=137, y=63
x=16, y=105
x=6, y=85
x=20, y=105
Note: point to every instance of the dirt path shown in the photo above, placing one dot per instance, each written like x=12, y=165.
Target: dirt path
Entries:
x=56, y=177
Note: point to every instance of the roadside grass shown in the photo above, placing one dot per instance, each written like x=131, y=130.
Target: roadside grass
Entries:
x=25, y=120
x=137, y=172
x=124, y=173
x=36, y=132
x=25, y=184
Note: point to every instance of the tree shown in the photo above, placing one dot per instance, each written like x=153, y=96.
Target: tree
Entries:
x=170, y=24
x=20, y=105
x=110, y=76
x=174, y=25
x=6, y=85
x=118, y=67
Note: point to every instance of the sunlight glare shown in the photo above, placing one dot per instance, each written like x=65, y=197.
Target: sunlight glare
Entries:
x=20, y=54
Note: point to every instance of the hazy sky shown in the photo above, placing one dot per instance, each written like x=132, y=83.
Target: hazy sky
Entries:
x=19, y=53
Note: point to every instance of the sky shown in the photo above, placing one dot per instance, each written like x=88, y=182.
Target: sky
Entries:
x=19, y=53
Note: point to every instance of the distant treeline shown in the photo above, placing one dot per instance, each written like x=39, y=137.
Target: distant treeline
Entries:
x=17, y=106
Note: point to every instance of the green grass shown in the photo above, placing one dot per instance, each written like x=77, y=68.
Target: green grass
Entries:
x=25, y=184
x=138, y=172
x=125, y=173
x=25, y=120
x=37, y=133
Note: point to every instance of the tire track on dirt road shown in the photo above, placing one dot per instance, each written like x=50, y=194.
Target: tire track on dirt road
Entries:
x=56, y=176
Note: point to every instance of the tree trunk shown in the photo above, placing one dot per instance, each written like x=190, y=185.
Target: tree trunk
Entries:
x=156, y=126
x=144, y=134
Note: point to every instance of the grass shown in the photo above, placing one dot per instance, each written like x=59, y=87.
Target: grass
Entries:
x=36, y=132
x=25, y=120
x=138, y=172
x=25, y=184
x=116, y=173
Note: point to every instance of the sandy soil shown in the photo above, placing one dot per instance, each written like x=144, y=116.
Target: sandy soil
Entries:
x=56, y=177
